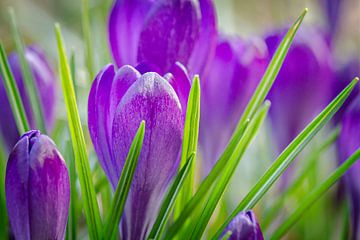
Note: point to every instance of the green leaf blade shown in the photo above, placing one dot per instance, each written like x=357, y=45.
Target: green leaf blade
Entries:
x=288, y=155
x=315, y=195
x=124, y=184
x=91, y=207
x=13, y=94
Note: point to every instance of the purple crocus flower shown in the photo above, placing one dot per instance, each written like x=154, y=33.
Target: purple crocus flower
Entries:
x=162, y=32
x=119, y=100
x=303, y=86
x=234, y=73
x=332, y=12
x=349, y=142
x=244, y=227
x=45, y=83
x=37, y=188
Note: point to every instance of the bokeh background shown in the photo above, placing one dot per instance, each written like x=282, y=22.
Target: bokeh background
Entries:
x=245, y=18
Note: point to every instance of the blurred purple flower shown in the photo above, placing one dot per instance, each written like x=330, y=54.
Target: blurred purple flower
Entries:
x=37, y=188
x=163, y=32
x=45, y=82
x=303, y=86
x=343, y=77
x=349, y=142
x=118, y=102
x=234, y=73
x=244, y=227
x=332, y=12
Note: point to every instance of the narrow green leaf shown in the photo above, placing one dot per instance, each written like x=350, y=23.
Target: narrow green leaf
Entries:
x=13, y=94
x=254, y=103
x=189, y=144
x=170, y=198
x=288, y=155
x=315, y=195
x=123, y=187
x=72, y=219
x=91, y=207
x=29, y=82
x=274, y=210
x=4, y=218
x=73, y=72
x=89, y=54
x=221, y=184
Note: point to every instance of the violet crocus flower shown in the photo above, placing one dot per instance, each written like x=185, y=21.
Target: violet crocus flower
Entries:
x=349, y=142
x=45, y=83
x=37, y=188
x=244, y=227
x=332, y=11
x=119, y=100
x=162, y=32
x=234, y=73
x=303, y=86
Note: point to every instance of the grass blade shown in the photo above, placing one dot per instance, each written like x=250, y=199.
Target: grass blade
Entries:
x=228, y=172
x=189, y=144
x=256, y=100
x=91, y=207
x=170, y=198
x=123, y=187
x=315, y=195
x=13, y=94
x=4, y=218
x=29, y=81
x=288, y=155
x=89, y=53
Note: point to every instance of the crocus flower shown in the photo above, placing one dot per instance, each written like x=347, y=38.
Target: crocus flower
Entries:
x=45, y=83
x=303, y=86
x=332, y=11
x=37, y=188
x=244, y=227
x=349, y=142
x=163, y=32
x=119, y=100
x=234, y=73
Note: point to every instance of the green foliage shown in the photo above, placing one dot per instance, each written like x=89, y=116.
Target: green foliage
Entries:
x=91, y=207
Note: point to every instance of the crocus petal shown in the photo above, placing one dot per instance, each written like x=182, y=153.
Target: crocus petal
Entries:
x=179, y=80
x=37, y=189
x=233, y=75
x=205, y=46
x=303, y=86
x=45, y=82
x=125, y=23
x=169, y=33
x=150, y=98
x=106, y=92
x=349, y=142
x=244, y=227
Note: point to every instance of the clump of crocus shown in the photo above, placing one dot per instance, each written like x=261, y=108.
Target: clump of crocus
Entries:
x=234, y=73
x=244, y=227
x=349, y=141
x=37, y=188
x=45, y=83
x=303, y=85
x=119, y=100
x=162, y=33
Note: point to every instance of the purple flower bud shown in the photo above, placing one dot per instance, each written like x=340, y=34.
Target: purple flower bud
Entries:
x=349, y=142
x=37, y=188
x=303, y=86
x=332, y=11
x=244, y=227
x=45, y=83
x=234, y=73
x=118, y=102
x=162, y=32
